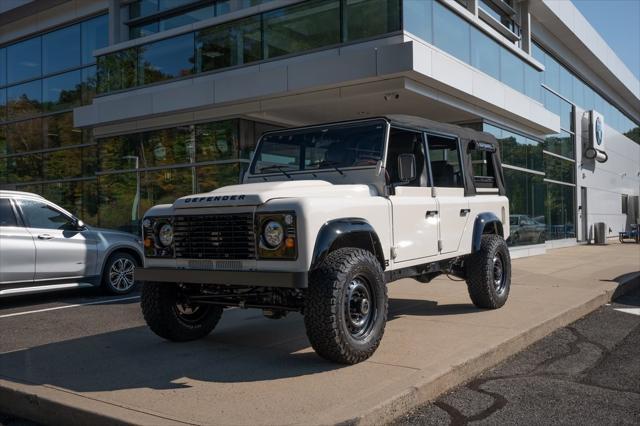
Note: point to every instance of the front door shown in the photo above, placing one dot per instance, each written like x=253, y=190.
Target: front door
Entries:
x=17, y=250
x=414, y=209
x=447, y=175
x=62, y=251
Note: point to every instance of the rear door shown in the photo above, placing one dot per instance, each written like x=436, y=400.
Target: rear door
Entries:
x=17, y=249
x=448, y=182
x=62, y=251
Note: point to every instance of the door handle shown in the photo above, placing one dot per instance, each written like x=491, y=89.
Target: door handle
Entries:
x=45, y=236
x=464, y=212
x=431, y=213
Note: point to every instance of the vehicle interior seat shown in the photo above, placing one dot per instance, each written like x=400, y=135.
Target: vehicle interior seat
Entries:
x=443, y=174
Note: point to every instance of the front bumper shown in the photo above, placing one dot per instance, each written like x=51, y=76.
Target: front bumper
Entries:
x=233, y=278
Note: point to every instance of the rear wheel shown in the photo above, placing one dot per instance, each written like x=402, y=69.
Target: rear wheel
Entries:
x=346, y=306
x=169, y=313
x=488, y=273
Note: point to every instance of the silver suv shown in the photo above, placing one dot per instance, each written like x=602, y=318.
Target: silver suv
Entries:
x=45, y=248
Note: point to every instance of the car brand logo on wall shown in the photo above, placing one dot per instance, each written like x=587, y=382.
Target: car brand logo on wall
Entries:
x=599, y=131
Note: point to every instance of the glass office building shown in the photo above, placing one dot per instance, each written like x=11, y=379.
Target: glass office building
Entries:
x=170, y=96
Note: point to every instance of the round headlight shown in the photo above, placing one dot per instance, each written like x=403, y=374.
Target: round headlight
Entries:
x=165, y=234
x=273, y=234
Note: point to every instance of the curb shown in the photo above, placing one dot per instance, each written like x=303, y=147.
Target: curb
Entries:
x=430, y=389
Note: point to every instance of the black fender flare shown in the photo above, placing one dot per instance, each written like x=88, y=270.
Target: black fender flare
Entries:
x=484, y=220
x=346, y=232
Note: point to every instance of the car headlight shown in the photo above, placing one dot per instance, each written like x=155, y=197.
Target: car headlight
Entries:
x=273, y=234
x=165, y=234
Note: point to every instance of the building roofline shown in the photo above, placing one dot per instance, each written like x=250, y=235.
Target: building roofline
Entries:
x=569, y=25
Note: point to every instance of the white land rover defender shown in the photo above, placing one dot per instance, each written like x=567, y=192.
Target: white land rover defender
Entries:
x=326, y=217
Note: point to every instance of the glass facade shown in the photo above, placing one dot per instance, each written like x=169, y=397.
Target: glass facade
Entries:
x=283, y=31
x=40, y=84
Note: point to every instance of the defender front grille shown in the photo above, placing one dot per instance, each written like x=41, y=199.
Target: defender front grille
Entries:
x=217, y=236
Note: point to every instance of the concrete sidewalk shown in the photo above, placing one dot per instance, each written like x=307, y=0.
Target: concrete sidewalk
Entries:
x=251, y=370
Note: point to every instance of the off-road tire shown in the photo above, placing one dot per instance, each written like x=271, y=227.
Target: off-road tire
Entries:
x=325, y=315
x=480, y=273
x=159, y=307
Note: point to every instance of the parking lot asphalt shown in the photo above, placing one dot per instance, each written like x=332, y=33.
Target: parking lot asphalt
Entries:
x=587, y=373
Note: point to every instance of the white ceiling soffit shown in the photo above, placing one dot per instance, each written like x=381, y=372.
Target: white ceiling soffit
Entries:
x=565, y=21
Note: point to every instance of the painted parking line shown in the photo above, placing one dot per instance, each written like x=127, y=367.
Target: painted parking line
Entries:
x=633, y=311
x=97, y=302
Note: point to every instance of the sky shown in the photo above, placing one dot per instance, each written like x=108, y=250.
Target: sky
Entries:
x=618, y=22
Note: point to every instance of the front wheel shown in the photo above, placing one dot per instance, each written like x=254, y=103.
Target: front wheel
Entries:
x=118, y=273
x=488, y=273
x=346, y=305
x=169, y=313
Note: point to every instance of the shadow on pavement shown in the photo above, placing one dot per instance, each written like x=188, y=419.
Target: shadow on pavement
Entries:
x=244, y=348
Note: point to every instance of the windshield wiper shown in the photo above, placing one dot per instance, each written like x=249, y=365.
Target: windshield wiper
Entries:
x=279, y=168
x=332, y=164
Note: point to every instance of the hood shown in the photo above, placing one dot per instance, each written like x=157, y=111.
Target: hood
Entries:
x=253, y=194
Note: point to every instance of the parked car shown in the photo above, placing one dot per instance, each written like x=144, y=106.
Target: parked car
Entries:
x=525, y=230
x=45, y=248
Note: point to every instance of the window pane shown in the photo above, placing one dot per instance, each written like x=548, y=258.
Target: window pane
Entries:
x=142, y=8
x=552, y=102
x=62, y=91
x=164, y=186
x=3, y=67
x=41, y=215
x=367, y=18
x=512, y=70
x=552, y=73
x=520, y=151
x=25, y=168
x=168, y=146
x=445, y=161
x=417, y=18
x=119, y=152
x=526, y=193
x=118, y=204
x=560, y=211
x=117, y=71
x=143, y=30
x=169, y=4
x=95, y=35
x=235, y=43
x=559, y=169
x=213, y=177
x=3, y=104
x=89, y=82
x=533, y=79
x=3, y=140
x=538, y=53
x=24, y=60
x=578, y=92
x=189, y=17
x=217, y=141
x=301, y=27
x=561, y=144
x=7, y=217
x=167, y=59
x=566, y=115
x=485, y=54
x=61, y=49
x=66, y=163
x=450, y=33
x=67, y=195
x=24, y=136
x=566, y=83
x=24, y=100
x=59, y=131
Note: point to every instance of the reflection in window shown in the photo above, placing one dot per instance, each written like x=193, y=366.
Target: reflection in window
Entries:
x=167, y=59
x=3, y=104
x=517, y=150
x=217, y=141
x=559, y=169
x=235, y=43
x=61, y=49
x=7, y=217
x=164, y=186
x=24, y=100
x=59, y=131
x=168, y=146
x=89, y=84
x=62, y=91
x=95, y=35
x=561, y=144
x=118, y=70
x=41, y=215
x=485, y=54
x=450, y=32
x=512, y=70
x=560, y=211
x=366, y=18
x=301, y=27
x=66, y=163
x=526, y=193
x=118, y=204
x=212, y=177
x=119, y=152
x=24, y=60
x=26, y=168
x=24, y=136
x=418, y=18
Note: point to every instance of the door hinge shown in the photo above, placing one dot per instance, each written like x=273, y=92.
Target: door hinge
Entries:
x=394, y=252
x=439, y=245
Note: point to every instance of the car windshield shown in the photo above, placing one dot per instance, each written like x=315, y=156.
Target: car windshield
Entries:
x=330, y=147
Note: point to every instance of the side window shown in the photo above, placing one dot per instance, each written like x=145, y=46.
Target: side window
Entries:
x=483, y=170
x=406, y=142
x=7, y=217
x=444, y=156
x=41, y=215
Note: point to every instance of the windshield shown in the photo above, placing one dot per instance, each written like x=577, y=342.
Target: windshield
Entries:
x=330, y=147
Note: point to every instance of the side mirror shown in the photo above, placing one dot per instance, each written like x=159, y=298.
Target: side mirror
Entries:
x=78, y=224
x=406, y=167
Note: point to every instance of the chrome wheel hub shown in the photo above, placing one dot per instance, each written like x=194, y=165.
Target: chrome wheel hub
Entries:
x=121, y=274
